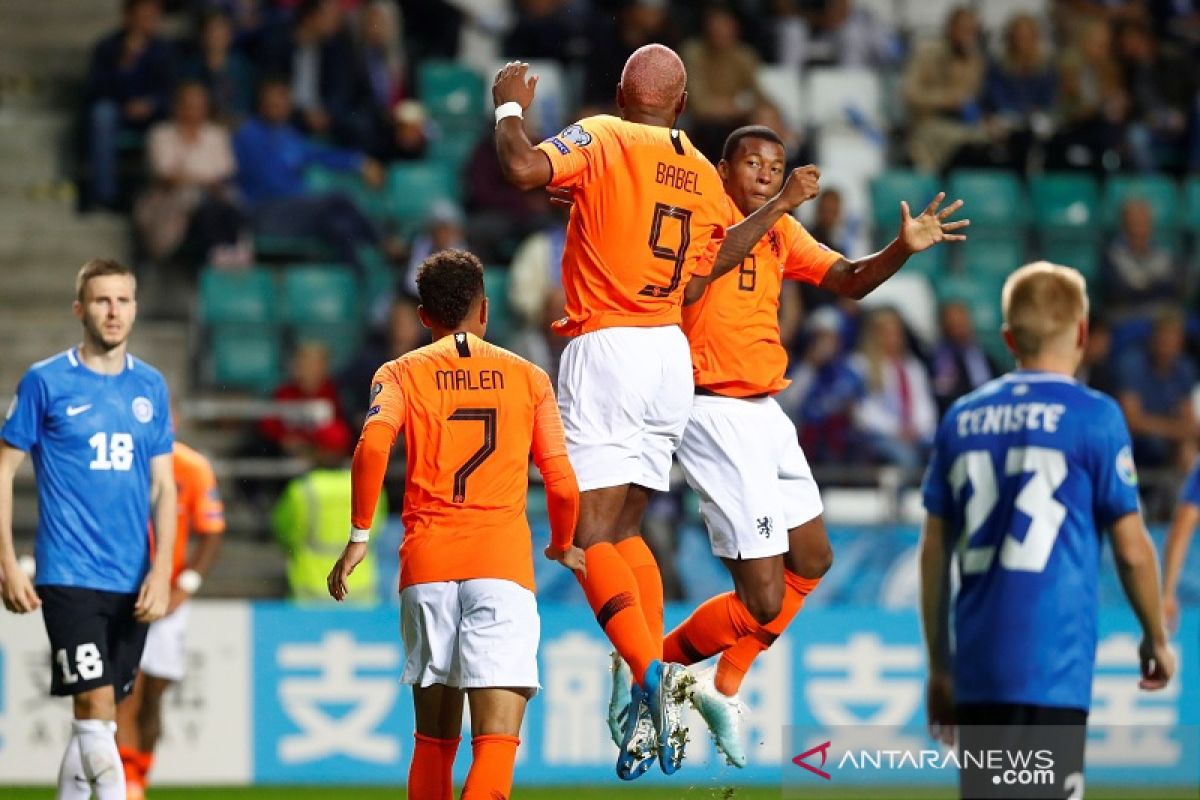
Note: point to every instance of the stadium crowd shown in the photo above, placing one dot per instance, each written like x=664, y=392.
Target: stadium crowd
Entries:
x=354, y=133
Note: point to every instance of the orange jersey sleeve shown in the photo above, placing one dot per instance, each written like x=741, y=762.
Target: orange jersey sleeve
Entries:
x=646, y=204
x=733, y=330
x=550, y=456
x=199, y=505
x=470, y=411
x=385, y=419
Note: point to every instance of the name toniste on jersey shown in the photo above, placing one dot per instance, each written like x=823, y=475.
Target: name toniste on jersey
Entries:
x=1010, y=418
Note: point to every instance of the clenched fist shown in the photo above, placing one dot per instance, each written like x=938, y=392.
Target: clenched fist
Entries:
x=802, y=185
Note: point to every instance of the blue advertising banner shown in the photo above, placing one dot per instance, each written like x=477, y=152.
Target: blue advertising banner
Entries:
x=327, y=706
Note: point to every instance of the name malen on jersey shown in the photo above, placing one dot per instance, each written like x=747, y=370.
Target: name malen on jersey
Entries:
x=685, y=180
x=1010, y=418
x=453, y=380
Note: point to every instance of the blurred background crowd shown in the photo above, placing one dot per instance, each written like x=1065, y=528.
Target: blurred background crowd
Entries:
x=286, y=164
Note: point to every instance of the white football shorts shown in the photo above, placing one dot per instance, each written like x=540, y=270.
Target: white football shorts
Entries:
x=472, y=634
x=165, y=655
x=625, y=395
x=743, y=458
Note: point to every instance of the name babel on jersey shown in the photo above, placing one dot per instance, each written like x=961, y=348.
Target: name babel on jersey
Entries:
x=91, y=438
x=1026, y=473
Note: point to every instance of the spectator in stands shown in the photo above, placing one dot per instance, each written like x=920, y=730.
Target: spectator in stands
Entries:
x=380, y=59
x=1140, y=278
x=546, y=29
x=401, y=333
x=310, y=522
x=316, y=56
x=838, y=32
x=444, y=229
x=722, y=76
x=501, y=214
x=226, y=73
x=824, y=392
x=310, y=380
x=959, y=364
x=272, y=156
x=1162, y=93
x=1096, y=369
x=535, y=293
x=407, y=137
x=797, y=149
x=1155, y=384
x=1093, y=105
x=1018, y=92
x=897, y=417
x=943, y=84
x=128, y=87
x=191, y=196
x=638, y=22
x=432, y=28
x=829, y=226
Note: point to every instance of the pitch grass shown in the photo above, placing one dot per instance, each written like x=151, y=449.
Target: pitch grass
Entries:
x=586, y=793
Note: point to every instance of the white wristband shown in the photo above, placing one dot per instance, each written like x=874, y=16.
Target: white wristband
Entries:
x=510, y=109
x=189, y=581
x=359, y=534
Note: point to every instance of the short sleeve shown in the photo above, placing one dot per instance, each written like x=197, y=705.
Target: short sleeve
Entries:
x=1190, y=493
x=574, y=150
x=23, y=422
x=935, y=490
x=208, y=512
x=1114, y=472
x=387, y=398
x=805, y=259
x=164, y=428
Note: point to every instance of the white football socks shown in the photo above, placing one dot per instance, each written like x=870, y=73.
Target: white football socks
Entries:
x=91, y=763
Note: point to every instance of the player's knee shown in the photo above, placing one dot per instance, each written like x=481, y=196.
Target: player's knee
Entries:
x=94, y=705
x=813, y=562
x=764, y=604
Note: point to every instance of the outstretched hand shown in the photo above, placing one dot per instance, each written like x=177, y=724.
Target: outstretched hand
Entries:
x=924, y=231
x=514, y=84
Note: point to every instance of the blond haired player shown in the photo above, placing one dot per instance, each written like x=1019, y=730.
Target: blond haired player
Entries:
x=645, y=205
x=471, y=414
x=1028, y=472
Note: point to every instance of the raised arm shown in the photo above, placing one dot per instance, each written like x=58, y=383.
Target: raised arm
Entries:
x=155, y=594
x=935, y=626
x=1137, y=565
x=523, y=165
x=17, y=589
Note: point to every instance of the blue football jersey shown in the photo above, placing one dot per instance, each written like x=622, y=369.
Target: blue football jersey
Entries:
x=1027, y=471
x=91, y=438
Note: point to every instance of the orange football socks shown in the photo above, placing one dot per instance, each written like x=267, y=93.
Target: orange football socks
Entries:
x=736, y=660
x=491, y=774
x=612, y=592
x=637, y=555
x=430, y=774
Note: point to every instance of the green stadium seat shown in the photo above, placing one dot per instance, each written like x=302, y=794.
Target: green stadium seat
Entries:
x=244, y=357
x=341, y=340
x=501, y=321
x=413, y=188
x=450, y=91
x=372, y=202
x=891, y=187
x=454, y=147
x=242, y=296
x=981, y=294
x=280, y=249
x=1080, y=252
x=320, y=294
x=991, y=255
x=1160, y=192
x=992, y=199
x=1191, y=213
x=379, y=279
x=1065, y=201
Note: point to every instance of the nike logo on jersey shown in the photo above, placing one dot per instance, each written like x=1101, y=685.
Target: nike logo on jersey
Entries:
x=76, y=410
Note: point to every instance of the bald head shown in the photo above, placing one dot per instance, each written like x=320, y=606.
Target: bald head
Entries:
x=653, y=80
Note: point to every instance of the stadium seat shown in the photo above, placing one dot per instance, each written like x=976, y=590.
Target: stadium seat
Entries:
x=320, y=294
x=1191, y=213
x=454, y=147
x=378, y=282
x=843, y=96
x=783, y=87
x=1079, y=252
x=992, y=199
x=242, y=296
x=341, y=340
x=1159, y=191
x=982, y=296
x=990, y=256
x=372, y=202
x=244, y=357
x=1065, y=201
x=284, y=249
x=501, y=322
x=451, y=92
x=918, y=188
x=412, y=188
x=552, y=102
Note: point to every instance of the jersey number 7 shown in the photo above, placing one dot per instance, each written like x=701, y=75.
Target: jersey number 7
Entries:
x=1035, y=500
x=488, y=417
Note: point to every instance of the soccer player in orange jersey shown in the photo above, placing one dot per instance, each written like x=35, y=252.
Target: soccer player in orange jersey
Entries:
x=740, y=451
x=164, y=661
x=645, y=205
x=471, y=414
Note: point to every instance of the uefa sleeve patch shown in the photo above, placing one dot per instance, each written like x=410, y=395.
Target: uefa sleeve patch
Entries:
x=374, y=410
x=576, y=135
x=1126, y=469
x=559, y=146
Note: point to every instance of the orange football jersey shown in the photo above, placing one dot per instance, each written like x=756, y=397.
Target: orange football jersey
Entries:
x=733, y=329
x=646, y=204
x=471, y=414
x=199, y=502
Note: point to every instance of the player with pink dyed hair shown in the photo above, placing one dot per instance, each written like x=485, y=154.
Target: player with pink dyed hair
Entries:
x=645, y=205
